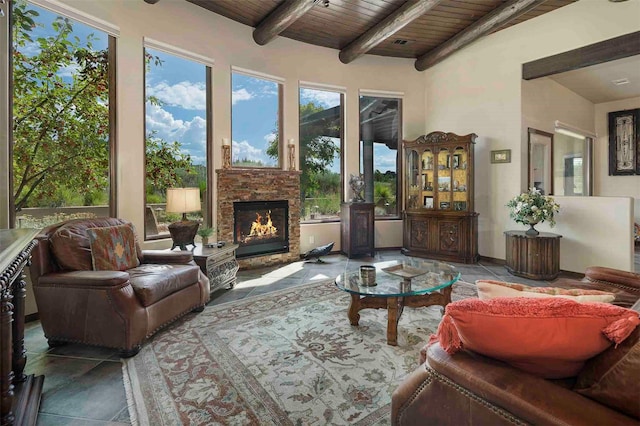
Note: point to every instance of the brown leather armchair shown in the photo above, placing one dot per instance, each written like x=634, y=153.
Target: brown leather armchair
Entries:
x=116, y=309
x=470, y=389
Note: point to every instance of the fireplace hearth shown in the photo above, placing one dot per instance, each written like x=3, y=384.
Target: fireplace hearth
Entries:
x=261, y=227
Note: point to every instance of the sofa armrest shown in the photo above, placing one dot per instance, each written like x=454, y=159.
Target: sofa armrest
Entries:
x=487, y=391
x=165, y=256
x=614, y=276
x=84, y=279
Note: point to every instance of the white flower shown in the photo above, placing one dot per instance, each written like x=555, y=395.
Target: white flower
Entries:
x=534, y=208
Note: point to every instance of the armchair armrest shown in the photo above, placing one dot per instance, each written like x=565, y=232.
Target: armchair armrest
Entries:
x=165, y=256
x=84, y=279
x=527, y=397
x=615, y=276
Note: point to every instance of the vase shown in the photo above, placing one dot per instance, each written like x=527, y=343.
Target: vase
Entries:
x=531, y=222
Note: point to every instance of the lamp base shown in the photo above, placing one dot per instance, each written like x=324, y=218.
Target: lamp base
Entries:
x=183, y=233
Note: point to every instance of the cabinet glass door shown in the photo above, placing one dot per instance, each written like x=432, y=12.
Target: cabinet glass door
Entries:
x=460, y=182
x=427, y=179
x=444, y=198
x=414, y=180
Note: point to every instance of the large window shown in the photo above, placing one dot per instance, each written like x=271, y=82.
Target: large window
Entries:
x=62, y=143
x=380, y=127
x=255, y=121
x=321, y=116
x=176, y=131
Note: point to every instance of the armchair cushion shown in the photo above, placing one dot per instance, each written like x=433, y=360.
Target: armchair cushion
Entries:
x=551, y=338
x=163, y=256
x=153, y=282
x=490, y=289
x=113, y=248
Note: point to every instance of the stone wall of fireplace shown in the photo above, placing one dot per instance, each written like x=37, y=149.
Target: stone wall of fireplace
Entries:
x=259, y=185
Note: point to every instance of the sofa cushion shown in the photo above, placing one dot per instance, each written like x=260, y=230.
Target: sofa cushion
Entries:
x=551, y=337
x=70, y=242
x=490, y=289
x=113, y=248
x=152, y=282
x=611, y=378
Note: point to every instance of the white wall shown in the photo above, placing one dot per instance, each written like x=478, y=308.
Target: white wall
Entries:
x=479, y=89
x=604, y=184
x=544, y=101
x=229, y=43
x=589, y=226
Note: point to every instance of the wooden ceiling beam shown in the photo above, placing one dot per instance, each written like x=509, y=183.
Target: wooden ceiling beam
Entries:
x=393, y=23
x=483, y=26
x=279, y=19
x=609, y=50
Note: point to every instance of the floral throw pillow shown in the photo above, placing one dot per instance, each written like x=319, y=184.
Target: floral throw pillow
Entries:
x=490, y=289
x=113, y=248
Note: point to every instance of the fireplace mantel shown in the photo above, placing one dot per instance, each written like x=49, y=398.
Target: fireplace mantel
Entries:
x=258, y=184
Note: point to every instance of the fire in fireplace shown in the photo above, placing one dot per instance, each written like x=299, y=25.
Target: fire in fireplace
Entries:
x=261, y=227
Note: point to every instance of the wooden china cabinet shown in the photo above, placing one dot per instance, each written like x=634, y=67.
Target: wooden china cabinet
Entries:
x=439, y=221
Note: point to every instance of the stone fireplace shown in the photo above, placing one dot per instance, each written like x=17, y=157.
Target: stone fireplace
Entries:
x=254, y=187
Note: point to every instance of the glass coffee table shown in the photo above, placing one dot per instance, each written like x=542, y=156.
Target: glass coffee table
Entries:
x=410, y=282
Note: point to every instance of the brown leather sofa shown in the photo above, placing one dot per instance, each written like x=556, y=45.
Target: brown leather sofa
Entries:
x=116, y=309
x=470, y=389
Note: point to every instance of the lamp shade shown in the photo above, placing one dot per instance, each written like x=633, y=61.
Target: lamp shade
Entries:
x=183, y=200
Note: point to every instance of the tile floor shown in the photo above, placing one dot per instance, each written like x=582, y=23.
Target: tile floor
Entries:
x=83, y=385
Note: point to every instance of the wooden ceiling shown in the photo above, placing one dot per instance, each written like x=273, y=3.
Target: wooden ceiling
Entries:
x=429, y=26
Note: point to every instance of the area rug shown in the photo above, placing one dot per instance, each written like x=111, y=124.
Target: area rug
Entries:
x=284, y=358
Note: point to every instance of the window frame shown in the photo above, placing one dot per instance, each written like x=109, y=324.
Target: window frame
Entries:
x=343, y=96
x=149, y=43
x=281, y=136
x=112, y=33
x=398, y=96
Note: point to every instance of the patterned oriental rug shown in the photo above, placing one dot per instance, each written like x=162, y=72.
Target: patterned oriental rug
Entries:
x=284, y=358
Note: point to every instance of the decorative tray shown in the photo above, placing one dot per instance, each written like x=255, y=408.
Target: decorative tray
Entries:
x=404, y=271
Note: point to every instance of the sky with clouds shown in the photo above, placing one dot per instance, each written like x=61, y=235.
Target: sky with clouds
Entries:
x=180, y=86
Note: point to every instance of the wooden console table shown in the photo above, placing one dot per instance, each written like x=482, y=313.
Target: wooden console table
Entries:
x=19, y=393
x=536, y=257
x=219, y=264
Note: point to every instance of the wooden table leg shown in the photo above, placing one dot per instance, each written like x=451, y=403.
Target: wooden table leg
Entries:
x=19, y=358
x=354, y=308
x=6, y=372
x=393, y=313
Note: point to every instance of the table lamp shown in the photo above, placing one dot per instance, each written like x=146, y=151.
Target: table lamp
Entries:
x=183, y=200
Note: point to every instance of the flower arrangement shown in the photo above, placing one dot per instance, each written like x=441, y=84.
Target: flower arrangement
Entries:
x=532, y=207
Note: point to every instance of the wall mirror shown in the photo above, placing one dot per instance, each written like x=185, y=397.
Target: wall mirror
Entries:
x=540, y=161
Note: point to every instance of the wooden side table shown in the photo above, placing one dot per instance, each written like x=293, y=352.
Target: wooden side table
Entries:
x=536, y=257
x=357, y=221
x=219, y=263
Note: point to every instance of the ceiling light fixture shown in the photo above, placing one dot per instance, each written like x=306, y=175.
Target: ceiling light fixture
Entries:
x=324, y=3
x=620, y=81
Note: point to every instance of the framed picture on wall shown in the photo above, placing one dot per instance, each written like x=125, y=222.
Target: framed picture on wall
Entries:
x=501, y=156
x=624, y=142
